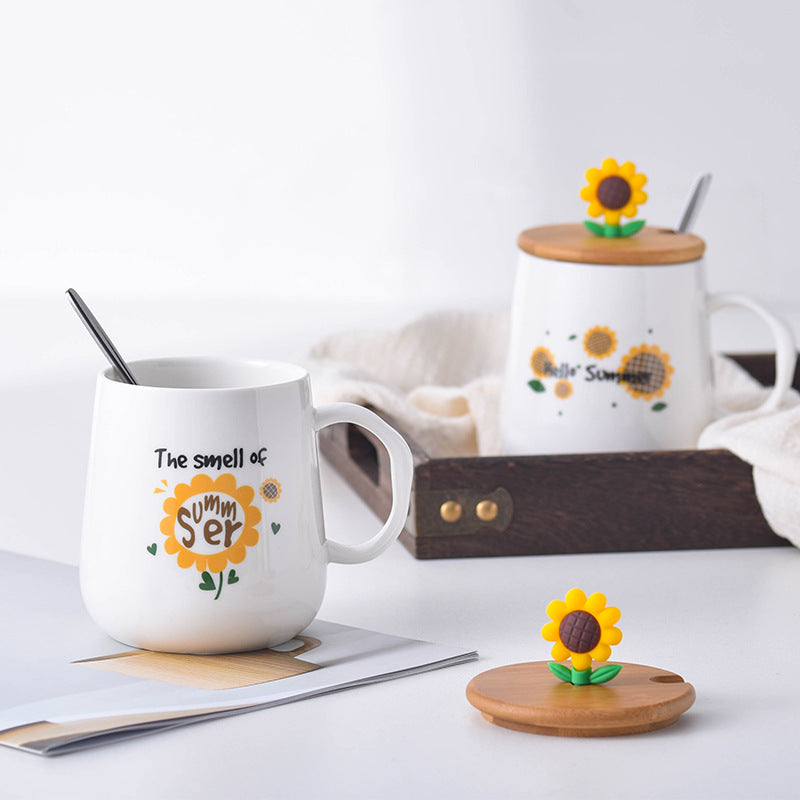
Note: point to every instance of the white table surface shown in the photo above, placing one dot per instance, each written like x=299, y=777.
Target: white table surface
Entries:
x=728, y=621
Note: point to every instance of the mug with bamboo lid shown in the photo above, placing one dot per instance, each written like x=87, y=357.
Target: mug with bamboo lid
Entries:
x=609, y=343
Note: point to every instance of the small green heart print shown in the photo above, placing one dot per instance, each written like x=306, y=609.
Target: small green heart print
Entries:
x=233, y=577
x=208, y=584
x=151, y=548
x=276, y=527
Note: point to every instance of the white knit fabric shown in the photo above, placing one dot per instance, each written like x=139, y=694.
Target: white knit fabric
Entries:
x=440, y=378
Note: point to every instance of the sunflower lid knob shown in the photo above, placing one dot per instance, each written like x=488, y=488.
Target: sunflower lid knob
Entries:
x=582, y=629
x=614, y=191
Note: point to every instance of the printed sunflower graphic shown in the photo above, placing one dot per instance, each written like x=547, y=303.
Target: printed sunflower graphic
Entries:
x=270, y=490
x=562, y=389
x=600, y=342
x=583, y=631
x=542, y=362
x=614, y=191
x=646, y=372
x=209, y=525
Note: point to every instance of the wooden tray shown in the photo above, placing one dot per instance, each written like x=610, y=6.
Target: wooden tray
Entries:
x=534, y=505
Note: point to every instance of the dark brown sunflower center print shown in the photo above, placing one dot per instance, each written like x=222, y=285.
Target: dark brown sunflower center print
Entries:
x=614, y=192
x=646, y=372
x=579, y=631
x=270, y=490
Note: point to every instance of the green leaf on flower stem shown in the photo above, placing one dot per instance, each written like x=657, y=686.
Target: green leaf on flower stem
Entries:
x=560, y=671
x=658, y=407
x=606, y=673
x=536, y=385
x=594, y=228
x=208, y=584
x=632, y=227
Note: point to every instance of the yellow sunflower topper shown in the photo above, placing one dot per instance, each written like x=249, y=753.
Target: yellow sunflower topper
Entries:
x=614, y=191
x=583, y=630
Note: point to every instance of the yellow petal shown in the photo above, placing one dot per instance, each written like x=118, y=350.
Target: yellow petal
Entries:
x=593, y=175
x=581, y=661
x=556, y=610
x=610, y=167
x=613, y=217
x=596, y=603
x=629, y=210
x=639, y=197
x=601, y=652
x=575, y=599
x=627, y=170
x=609, y=617
x=637, y=181
x=595, y=209
x=201, y=483
x=588, y=193
x=559, y=652
x=185, y=558
x=550, y=632
x=611, y=636
x=217, y=562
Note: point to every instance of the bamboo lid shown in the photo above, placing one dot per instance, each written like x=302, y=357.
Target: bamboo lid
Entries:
x=573, y=242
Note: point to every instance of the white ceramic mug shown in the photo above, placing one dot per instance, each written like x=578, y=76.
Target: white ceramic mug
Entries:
x=614, y=357
x=203, y=526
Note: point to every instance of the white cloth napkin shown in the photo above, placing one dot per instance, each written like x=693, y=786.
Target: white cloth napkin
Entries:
x=440, y=378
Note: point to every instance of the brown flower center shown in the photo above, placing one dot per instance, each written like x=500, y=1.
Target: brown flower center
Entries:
x=598, y=342
x=579, y=632
x=614, y=192
x=646, y=372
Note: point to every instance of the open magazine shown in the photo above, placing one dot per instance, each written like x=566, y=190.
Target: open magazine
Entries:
x=66, y=686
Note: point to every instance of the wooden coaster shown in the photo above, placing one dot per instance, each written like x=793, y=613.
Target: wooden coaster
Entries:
x=528, y=697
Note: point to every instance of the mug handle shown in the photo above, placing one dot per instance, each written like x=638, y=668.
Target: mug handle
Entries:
x=402, y=472
x=785, y=350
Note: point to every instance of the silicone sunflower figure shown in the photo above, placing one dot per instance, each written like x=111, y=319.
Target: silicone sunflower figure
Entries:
x=583, y=630
x=614, y=191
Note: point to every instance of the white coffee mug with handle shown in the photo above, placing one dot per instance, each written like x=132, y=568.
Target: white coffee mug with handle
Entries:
x=609, y=346
x=203, y=526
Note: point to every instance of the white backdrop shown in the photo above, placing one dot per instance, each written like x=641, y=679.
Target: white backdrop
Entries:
x=243, y=178
x=380, y=150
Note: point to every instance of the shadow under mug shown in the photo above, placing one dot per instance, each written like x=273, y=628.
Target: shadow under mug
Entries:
x=203, y=526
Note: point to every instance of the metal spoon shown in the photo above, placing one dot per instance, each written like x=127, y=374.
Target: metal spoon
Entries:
x=694, y=204
x=101, y=337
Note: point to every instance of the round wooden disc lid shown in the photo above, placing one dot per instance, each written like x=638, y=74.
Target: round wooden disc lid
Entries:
x=528, y=697
x=574, y=243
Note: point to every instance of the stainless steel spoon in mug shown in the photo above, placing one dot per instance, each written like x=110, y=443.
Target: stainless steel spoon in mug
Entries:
x=693, y=205
x=101, y=337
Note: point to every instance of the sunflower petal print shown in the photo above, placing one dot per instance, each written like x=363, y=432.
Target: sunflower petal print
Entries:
x=646, y=371
x=614, y=191
x=542, y=362
x=210, y=523
x=582, y=629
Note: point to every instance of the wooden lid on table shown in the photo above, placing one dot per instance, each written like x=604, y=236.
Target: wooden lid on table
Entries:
x=574, y=243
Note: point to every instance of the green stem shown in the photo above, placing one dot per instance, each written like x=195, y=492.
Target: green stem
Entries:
x=219, y=591
x=612, y=231
x=580, y=677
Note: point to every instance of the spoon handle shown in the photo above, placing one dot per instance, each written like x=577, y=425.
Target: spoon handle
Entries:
x=101, y=337
x=694, y=204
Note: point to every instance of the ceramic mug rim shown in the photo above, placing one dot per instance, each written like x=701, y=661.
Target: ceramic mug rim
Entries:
x=275, y=373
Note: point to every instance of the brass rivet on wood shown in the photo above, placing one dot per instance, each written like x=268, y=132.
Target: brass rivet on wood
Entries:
x=487, y=510
x=451, y=511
